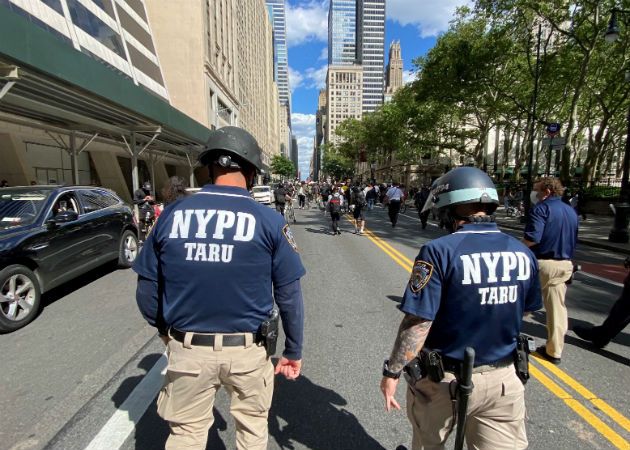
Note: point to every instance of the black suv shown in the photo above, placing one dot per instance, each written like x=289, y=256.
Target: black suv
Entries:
x=52, y=234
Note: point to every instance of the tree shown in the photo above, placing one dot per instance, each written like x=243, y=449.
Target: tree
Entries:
x=282, y=166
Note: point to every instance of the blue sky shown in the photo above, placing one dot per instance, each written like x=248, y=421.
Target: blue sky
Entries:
x=416, y=23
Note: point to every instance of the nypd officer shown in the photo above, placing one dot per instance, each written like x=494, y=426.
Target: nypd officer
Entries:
x=207, y=279
x=467, y=289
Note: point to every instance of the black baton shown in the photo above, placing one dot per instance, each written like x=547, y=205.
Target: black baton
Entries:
x=465, y=388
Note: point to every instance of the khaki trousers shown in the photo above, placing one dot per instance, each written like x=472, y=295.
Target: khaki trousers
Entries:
x=553, y=275
x=195, y=373
x=496, y=411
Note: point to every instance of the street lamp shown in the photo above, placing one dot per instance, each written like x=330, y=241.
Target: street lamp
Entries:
x=619, y=233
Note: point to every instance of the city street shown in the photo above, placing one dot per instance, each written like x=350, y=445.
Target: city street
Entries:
x=85, y=373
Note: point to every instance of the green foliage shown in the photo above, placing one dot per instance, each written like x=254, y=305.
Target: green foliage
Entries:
x=282, y=165
x=336, y=165
x=480, y=75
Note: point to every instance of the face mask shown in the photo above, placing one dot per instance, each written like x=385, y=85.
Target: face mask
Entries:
x=533, y=197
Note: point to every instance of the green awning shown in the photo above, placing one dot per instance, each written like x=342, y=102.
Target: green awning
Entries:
x=525, y=171
x=60, y=85
x=506, y=171
x=577, y=171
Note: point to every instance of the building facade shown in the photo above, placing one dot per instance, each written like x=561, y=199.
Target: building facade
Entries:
x=218, y=63
x=344, y=90
x=276, y=9
x=371, y=50
x=55, y=148
x=394, y=72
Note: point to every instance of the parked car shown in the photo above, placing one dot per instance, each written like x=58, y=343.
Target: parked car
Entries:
x=50, y=235
x=262, y=194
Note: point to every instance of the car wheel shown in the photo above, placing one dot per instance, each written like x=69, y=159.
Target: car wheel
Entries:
x=128, y=249
x=19, y=297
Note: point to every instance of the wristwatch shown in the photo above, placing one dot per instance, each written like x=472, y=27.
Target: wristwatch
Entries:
x=387, y=373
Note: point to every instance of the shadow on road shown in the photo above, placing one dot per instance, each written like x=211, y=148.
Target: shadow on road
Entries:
x=77, y=283
x=307, y=413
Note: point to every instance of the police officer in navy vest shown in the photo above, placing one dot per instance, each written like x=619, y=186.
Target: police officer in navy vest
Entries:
x=208, y=276
x=470, y=288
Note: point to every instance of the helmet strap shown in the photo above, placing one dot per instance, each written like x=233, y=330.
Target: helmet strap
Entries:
x=450, y=219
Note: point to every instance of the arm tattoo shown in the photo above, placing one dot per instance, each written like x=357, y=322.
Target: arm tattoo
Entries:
x=412, y=333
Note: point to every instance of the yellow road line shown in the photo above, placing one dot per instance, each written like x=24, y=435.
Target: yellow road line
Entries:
x=574, y=404
x=384, y=245
x=584, y=392
x=580, y=409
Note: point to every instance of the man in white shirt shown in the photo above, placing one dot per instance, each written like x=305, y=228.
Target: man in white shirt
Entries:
x=393, y=197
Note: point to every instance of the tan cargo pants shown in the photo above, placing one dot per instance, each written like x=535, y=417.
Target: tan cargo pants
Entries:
x=195, y=373
x=496, y=411
x=553, y=275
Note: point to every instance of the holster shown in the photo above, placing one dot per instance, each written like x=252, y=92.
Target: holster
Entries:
x=267, y=333
x=524, y=345
x=428, y=364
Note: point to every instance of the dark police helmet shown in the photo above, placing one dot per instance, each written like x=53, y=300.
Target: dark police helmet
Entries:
x=146, y=185
x=231, y=147
x=460, y=186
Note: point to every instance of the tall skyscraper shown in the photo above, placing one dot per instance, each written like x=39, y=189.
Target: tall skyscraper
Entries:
x=280, y=57
x=394, y=73
x=371, y=50
x=342, y=32
x=356, y=42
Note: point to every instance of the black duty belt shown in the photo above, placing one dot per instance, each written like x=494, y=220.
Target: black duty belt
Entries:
x=207, y=340
x=454, y=365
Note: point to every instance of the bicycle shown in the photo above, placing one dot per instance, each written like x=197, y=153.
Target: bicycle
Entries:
x=403, y=206
x=289, y=212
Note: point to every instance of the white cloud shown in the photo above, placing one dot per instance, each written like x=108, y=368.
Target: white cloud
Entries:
x=409, y=76
x=317, y=77
x=323, y=56
x=430, y=17
x=303, y=126
x=296, y=79
x=307, y=22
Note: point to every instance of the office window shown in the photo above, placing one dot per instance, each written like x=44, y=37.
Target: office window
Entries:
x=95, y=27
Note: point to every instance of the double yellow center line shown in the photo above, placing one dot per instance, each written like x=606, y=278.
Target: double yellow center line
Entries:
x=555, y=388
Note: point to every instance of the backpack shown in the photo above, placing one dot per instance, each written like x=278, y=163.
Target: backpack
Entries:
x=360, y=199
x=334, y=204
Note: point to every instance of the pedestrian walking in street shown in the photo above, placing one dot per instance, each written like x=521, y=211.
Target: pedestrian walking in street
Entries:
x=281, y=197
x=419, y=201
x=551, y=232
x=145, y=200
x=334, y=205
x=173, y=190
x=618, y=318
x=370, y=196
x=359, y=202
x=205, y=280
x=301, y=191
x=393, y=197
x=470, y=288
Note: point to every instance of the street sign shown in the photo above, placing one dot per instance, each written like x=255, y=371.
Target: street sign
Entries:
x=553, y=129
x=558, y=140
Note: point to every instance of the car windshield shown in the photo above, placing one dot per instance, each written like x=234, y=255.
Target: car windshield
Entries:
x=260, y=189
x=20, y=207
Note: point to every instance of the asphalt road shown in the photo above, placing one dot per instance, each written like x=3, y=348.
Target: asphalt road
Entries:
x=74, y=377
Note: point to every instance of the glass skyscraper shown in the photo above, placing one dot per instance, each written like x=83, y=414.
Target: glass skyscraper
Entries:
x=342, y=32
x=281, y=59
x=356, y=36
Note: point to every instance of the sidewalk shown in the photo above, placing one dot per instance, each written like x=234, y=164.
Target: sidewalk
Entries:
x=593, y=231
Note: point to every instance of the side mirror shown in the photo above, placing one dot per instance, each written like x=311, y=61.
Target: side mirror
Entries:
x=65, y=217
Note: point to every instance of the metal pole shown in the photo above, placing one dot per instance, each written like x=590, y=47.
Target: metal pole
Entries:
x=532, y=128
